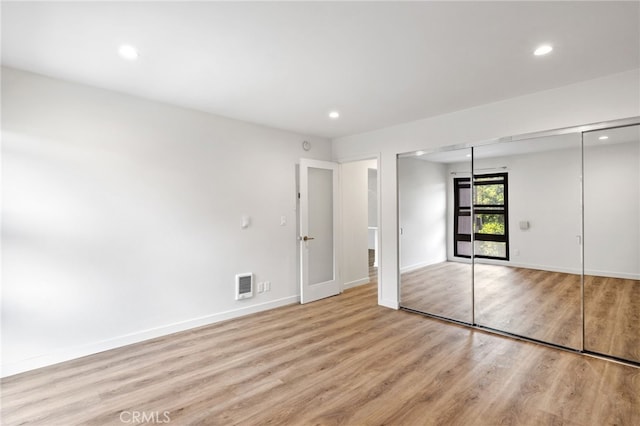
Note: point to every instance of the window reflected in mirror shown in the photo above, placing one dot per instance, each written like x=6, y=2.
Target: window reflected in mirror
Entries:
x=541, y=241
x=527, y=265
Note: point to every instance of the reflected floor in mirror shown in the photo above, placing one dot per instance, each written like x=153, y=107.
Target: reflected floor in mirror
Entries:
x=612, y=316
x=536, y=304
x=442, y=289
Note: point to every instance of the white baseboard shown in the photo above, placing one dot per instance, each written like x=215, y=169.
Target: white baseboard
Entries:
x=623, y=275
x=420, y=265
x=549, y=268
x=67, y=354
x=561, y=269
x=355, y=283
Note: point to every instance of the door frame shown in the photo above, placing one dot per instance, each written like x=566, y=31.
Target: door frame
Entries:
x=353, y=159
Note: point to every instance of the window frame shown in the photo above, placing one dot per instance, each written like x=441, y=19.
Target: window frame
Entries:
x=459, y=211
x=495, y=209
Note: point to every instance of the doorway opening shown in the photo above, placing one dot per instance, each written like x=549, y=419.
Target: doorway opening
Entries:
x=372, y=219
x=360, y=225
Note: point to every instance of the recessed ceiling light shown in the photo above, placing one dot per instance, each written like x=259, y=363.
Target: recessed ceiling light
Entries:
x=419, y=153
x=543, y=50
x=334, y=114
x=128, y=52
x=468, y=155
x=603, y=138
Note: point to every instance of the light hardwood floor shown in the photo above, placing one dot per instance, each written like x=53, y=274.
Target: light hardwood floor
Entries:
x=339, y=361
x=537, y=304
x=612, y=316
x=442, y=289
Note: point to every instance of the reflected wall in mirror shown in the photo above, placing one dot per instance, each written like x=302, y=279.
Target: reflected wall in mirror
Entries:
x=435, y=277
x=612, y=242
x=527, y=224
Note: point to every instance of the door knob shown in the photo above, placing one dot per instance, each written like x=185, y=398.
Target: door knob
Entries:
x=305, y=238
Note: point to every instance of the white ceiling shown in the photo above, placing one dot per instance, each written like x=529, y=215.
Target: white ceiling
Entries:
x=287, y=64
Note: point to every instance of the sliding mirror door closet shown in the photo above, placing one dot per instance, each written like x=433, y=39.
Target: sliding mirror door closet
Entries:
x=434, y=279
x=535, y=236
x=612, y=242
x=528, y=283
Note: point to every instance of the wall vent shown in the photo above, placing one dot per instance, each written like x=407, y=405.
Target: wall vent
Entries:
x=244, y=286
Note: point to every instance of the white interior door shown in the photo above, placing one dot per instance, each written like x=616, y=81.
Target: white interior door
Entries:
x=318, y=230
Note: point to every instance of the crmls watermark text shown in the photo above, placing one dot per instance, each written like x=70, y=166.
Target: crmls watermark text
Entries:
x=137, y=417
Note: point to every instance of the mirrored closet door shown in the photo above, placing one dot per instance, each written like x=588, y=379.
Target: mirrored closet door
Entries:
x=541, y=241
x=612, y=242
x=527, y=224
x=435, y=250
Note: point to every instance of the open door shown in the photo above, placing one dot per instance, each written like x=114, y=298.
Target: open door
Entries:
x=318, y=230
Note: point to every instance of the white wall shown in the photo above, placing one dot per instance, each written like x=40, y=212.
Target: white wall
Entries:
x=422, y=208
x=608, y=98
x=354, y=178
x=612, y=210
x=121, y=218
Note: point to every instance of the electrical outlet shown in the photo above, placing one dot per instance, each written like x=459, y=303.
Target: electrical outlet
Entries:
x=260, y=287
x=267, y=286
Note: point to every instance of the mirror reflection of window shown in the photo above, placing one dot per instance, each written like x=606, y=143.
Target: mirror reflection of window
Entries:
x=490, y=217
x=543, y=237
x=528, y=279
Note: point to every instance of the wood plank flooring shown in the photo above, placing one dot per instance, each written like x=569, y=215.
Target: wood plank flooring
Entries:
x=442, y=289
x=339, y=361
x=537, y=304
x=612, y=316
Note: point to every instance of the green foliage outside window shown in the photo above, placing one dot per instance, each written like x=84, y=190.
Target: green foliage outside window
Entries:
x=487, y=195
x=490, y=195
x=492, y=224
